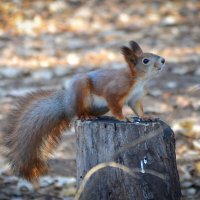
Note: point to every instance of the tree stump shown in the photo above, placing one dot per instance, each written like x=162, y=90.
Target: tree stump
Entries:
x=145, y=155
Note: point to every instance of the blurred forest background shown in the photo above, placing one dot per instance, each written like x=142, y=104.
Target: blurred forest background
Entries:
x=43, y=43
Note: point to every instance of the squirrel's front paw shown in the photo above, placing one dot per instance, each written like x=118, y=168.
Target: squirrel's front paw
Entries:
x=148, y=118
x=87, y=117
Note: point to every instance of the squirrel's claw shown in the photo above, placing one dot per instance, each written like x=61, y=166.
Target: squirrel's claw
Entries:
x=88, y=117
x=148, y=118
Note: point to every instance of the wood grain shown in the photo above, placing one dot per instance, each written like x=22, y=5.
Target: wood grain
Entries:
x=147, y=148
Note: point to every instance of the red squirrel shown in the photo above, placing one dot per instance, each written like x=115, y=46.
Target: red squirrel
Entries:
x=36, y=123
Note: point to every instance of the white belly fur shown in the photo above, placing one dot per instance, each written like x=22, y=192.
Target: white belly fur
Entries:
x=136, y=93
x=99, y=102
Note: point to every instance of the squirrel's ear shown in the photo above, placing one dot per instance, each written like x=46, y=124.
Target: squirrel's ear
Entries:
x=136, y=48
x=129, y=56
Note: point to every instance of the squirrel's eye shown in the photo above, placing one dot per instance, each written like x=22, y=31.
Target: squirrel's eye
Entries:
x=145, y=61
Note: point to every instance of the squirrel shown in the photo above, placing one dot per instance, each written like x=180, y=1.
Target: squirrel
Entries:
x=35, y=124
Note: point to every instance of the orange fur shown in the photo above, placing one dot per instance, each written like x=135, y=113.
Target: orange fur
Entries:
x=83, y=89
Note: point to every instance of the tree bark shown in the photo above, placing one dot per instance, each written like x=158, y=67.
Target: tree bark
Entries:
x=147, y=148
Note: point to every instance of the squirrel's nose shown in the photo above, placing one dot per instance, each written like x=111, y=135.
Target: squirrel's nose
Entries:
x=160, y=63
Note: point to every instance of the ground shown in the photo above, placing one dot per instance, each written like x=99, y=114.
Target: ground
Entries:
x=43, y=43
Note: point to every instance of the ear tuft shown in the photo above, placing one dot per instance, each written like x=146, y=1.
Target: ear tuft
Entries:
x=136, y=48
x=126, y=51
x=129, y=55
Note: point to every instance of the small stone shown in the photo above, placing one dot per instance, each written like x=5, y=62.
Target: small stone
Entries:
x=171, y=84
x=61, y=71
x=10, y=180
x=169, y=20
x=186, y=184
x=10, y=72
x=42, y=74
x=46, y=181
x=24, y=186
x=61, y=181
x=191, y=191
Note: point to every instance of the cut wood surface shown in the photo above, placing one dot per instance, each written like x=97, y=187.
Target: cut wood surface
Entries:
x=138, y=157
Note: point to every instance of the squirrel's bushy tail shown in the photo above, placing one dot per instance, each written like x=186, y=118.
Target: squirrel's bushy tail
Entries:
x=33, y=130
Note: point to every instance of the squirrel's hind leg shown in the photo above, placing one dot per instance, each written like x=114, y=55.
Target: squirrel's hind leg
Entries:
x=115, y=107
